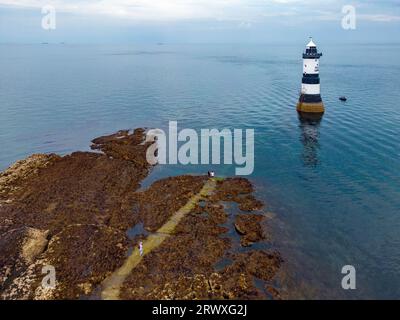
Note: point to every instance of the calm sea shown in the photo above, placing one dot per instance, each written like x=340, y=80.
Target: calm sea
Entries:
x=334, y=186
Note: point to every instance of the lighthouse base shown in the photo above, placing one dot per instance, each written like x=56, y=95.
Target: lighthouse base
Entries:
x=311, y=107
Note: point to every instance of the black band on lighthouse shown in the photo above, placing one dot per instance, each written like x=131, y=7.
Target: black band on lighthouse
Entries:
x=312, y=55
x=313, y=80
x=310, y=98
x=310, y=75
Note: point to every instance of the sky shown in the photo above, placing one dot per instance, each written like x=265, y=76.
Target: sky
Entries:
x=198, y=21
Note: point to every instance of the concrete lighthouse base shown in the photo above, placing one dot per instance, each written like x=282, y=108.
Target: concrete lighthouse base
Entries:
x=311, y=107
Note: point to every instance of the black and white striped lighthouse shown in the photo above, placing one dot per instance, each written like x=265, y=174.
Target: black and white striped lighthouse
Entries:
x=310, y=100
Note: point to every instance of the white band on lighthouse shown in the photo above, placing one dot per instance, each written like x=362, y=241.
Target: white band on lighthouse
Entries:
x=311, y=66
x=310, y=88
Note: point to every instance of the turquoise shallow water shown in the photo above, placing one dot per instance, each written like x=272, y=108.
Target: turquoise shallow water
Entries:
x=334, y=186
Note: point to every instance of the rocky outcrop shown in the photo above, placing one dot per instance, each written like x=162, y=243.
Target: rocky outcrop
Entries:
x=249, y=227
x=73, y=213
x=155, y=205
x=82, y=201
x=12, y=179
x=183, y=267
x=83, y=255
x=19, y=249
x=34, y=244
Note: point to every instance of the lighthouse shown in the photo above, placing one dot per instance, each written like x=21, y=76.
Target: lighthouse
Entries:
x=310, y=100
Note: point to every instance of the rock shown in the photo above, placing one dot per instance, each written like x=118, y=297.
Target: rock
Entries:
x=34, y=244
x=183, y=266
x=83, y=255
x=249, y=203
x=85, y=287
x=275, y=294
x=19, y=252
x=155, y=206
x=249, y=227
x=12, y=179
x=86, y=201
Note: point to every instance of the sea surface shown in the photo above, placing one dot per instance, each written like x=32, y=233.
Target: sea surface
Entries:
x=333, y=186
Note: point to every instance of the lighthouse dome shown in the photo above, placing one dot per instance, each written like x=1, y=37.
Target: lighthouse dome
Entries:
x=311, y=51
x=311, y=44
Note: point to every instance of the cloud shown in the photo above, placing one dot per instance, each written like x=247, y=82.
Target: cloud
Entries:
x=147, y=9
x=249, y=11
x=173, y=9
x=379, y=17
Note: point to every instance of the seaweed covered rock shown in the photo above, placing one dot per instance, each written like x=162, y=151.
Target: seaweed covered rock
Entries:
x=19, y=249
x=83, y=255
x=164, y=197
x=183, y=266
x=249, y=227
x=75, y=212
x=49, y=196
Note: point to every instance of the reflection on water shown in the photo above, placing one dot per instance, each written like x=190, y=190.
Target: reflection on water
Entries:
x=309, y=126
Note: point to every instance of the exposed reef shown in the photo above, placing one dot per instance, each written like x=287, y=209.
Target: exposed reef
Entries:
x=76, y=213
x=184, y=266
x=249, y=227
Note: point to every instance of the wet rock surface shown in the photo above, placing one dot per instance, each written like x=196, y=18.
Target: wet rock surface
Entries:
x=183, y=267
x=249, y=227
x=75, y=212
x=83, y=255
x=76, y=199
x=164, y=197
x=13, y=179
